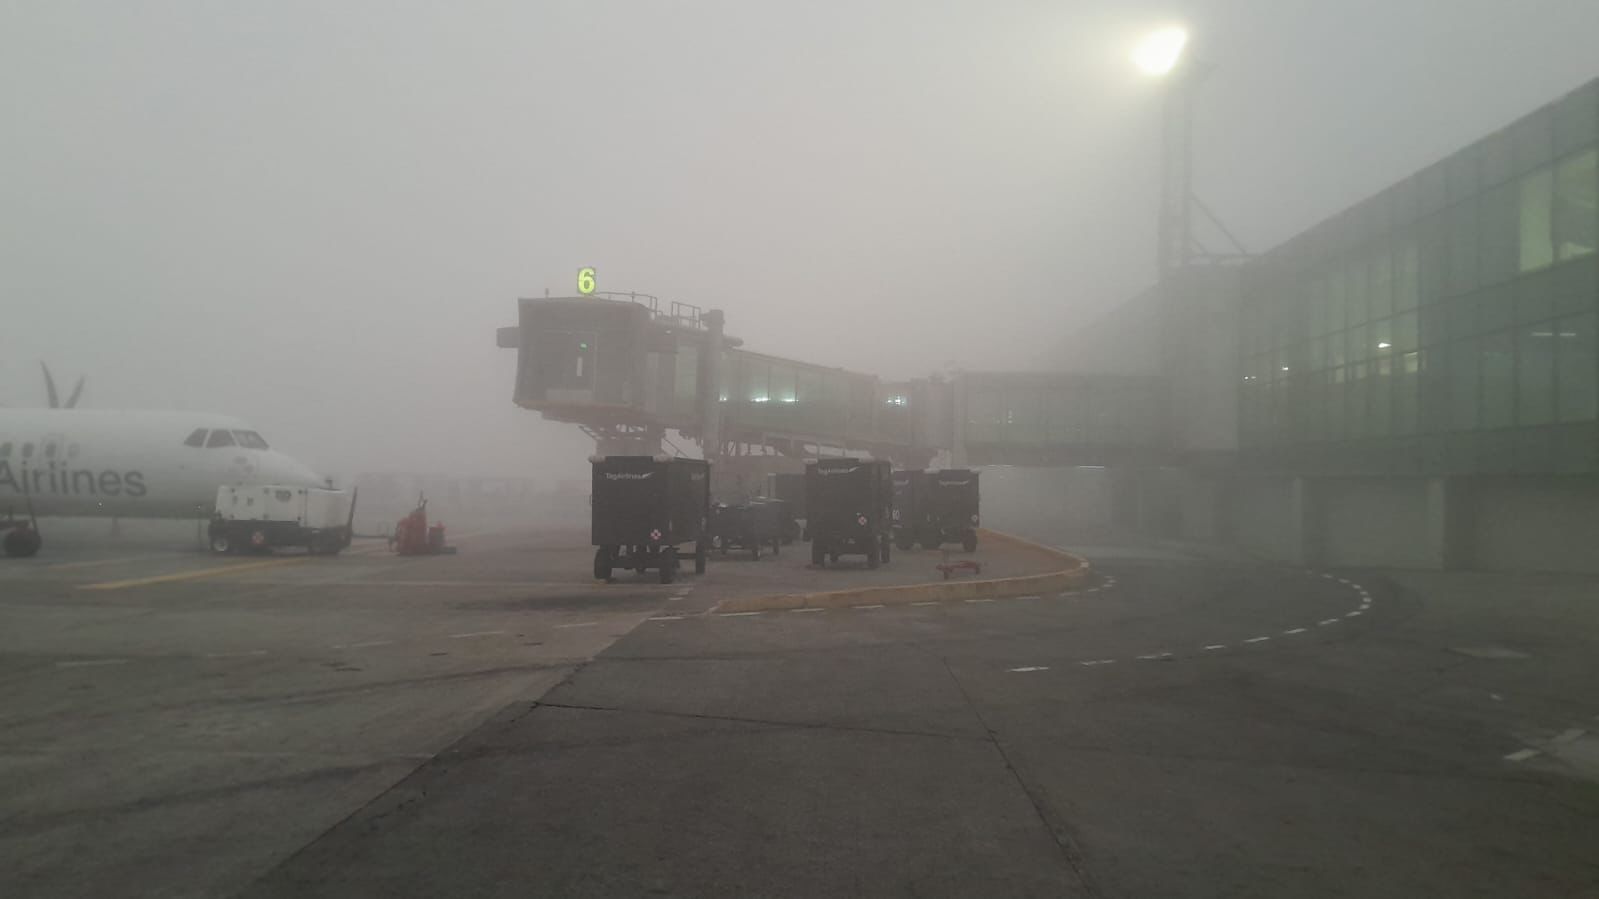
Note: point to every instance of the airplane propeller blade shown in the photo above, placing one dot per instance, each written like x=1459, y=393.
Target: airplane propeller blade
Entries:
x=77, y=391
x=50, y=387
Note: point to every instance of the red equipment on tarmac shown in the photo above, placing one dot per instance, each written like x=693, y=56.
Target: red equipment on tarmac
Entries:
x=413, y=536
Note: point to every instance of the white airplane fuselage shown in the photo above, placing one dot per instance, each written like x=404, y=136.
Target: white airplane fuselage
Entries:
x=130, y=464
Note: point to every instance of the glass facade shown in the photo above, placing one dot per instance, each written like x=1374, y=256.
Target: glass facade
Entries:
x=1460, y=301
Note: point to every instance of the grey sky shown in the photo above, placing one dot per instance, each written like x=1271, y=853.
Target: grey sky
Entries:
x=314, y=214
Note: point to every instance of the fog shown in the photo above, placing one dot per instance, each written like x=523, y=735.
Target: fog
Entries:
x=313, y=215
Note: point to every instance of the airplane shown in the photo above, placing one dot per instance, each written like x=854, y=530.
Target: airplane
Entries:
x=124, y=464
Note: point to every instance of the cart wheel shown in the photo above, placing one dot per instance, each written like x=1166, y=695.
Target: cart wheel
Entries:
x=818, y=558
x=874, y=555
x=969, y=543
x=755, y=550
x=699, y=558
x=777, y=546
x=602, y=563
x=668, y=565
x=886, y=543
x=220, y=544
x=905, y=543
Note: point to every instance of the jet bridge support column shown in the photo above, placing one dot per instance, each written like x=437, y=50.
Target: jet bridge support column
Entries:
x=710, y=384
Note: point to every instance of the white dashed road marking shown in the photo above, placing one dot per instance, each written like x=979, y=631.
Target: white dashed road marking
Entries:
x=577, y=624
x=736, y=614
x=1030, y=597
x=91, y=663
x=1326, y=621
x=807, y=610
x=1521, y=755
x=1294, y=630
x=1215, y=646
x=1257, y=639
x=980, y=600
x=475, y=634
x=359, y=645
x=866, y=608
x=933, y=603
x=1030, y=668
x=666, y=618
x=235, y=655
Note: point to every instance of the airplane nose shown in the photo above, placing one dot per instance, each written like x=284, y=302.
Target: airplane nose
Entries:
x=285, y=470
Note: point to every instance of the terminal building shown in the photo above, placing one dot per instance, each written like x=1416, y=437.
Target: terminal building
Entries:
x=1410, y=383
x=1414, y=379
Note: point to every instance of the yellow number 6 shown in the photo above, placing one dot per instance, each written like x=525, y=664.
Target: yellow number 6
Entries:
x=585, y=281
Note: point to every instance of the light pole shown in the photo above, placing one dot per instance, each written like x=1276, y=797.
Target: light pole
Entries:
x=1160, y=55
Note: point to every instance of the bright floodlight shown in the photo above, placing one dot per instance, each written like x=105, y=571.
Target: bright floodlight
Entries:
x=1158, y=53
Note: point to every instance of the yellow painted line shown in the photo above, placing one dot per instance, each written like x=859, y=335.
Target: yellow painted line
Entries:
x=191, y=575
x=1075, y=570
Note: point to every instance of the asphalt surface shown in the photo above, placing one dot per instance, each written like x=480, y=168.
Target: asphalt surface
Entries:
x=1181, y=727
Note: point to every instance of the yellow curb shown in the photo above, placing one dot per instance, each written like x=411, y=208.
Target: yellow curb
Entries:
x=1076, y=571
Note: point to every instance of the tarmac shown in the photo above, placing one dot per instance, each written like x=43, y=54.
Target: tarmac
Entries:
x=498, y=723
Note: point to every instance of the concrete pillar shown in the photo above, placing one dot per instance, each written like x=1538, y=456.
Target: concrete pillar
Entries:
x=710, y=384
x=1306, y=521
x=1449, y=522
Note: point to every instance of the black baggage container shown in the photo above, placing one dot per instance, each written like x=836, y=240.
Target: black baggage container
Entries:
x=908, y=513
x=790, y=489
x=750, y=526
x=849, y=506
x=949, y=500
x=644, y=508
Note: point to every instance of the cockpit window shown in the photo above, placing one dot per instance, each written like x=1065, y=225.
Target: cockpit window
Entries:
x=219, y=437
x=250, y=440
x=196, y=439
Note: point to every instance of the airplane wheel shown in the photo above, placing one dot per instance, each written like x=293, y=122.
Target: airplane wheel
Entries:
x=818, y=557
x=220, y=544
x=602, y=563
x=20, y=543
x=699, y=558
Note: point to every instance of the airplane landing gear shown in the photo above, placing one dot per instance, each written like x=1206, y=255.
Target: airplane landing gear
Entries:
x=21, y=541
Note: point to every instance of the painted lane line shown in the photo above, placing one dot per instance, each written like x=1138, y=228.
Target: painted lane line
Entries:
x=91, y=663
x=577, y=624
x=1294, y=630
x=867, y=607
x=1092, y=590
x=1352, y=614
x=1215, y=646
x=665, y=618
x=362, y=645
x=191, y=575
x=1521, y=755
x=1030, y=597
x=736, y=614
x=1029, y=668
x=803, y=611
x=930, y=603
x=1093, y=662
x=475, y=634
x=235, y=655
x=683, y=591
x=978, y=600
x=1326, y=621
x=1257, y=639
x=1575, y=733
x=1155, y=656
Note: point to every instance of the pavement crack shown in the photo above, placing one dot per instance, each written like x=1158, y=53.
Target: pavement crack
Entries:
x=1068, y=847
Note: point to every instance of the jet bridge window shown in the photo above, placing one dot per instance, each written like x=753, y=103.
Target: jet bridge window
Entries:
x=196, y=439
x=250, y=440
x=218, y=438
